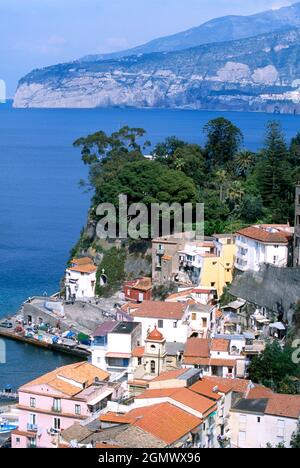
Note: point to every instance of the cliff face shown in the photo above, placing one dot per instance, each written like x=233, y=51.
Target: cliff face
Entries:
x=261, y=73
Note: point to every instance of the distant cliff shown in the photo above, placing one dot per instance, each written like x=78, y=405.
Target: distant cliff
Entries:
x=260, y=73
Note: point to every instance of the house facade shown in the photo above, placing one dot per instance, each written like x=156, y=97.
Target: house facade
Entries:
x=138, y=290
x=80, y=279
x=55, y=401
x=259, y=422
x=113, y=345
x=263, y=244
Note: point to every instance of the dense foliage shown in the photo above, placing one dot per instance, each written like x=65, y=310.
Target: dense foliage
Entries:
x=238, y=187
x=275, y=369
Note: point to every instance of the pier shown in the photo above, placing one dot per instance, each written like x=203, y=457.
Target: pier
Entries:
x=61, y=348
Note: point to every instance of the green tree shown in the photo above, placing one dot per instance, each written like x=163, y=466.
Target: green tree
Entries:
x=273, y=173
x=164, y=151
x=273, y=366
x=224, y=140
x=295, y=441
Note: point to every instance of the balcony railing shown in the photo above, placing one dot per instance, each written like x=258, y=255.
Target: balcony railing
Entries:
x=32, y=427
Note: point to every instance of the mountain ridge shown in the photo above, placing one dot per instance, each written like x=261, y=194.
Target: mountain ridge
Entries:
x=259, y=73
x=223, y=29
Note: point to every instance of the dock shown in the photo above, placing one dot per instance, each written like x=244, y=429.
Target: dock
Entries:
x=60, y=348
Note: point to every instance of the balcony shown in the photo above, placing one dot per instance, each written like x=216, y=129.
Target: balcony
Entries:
x=56, y=409
x=32, y=427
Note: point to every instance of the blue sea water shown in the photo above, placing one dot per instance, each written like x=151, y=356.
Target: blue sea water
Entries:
x=42, y=208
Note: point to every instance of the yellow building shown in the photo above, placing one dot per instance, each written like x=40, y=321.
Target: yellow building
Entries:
x=217, y=269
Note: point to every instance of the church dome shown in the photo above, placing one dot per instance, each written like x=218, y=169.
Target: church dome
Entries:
x=155, y=335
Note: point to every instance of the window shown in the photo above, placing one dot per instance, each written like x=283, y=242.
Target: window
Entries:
x=32, y=419
x=56, y=424
x=32, y=402
x=175, y=324
x=243, y=419
x=280, y=427
x=31, y=442
x=152, y=367
x=242, y=436
x=17, y=440
x=258, y=420
x=56, y=405
x=194, y=316
x=160, y=324
x=77, y=409
x=204, y=322
x=275, y=259
x=213, y=284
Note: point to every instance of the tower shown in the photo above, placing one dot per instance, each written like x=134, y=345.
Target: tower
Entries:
x=155, y=353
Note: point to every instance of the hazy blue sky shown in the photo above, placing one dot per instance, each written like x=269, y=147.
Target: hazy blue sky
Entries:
x=36, y=33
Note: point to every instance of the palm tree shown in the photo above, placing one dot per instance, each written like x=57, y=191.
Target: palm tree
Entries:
x=244, y=162
x=221, y=177
x=235, y=194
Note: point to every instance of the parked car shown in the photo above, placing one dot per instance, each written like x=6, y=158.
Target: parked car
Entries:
x=6, y=325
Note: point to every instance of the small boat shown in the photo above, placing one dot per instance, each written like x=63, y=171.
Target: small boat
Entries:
x=6, y=427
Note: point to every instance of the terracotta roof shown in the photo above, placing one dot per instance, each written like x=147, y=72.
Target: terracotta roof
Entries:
x=82, y=373
x=160, y=310
x=167, y=422
x=182, y=395
x=82, y=261
x=118, y=418
x=169, y=375
x=84, y=268
x=196, y=361
x=205, y=387
x=138, y=351
x=259, y=391
x=262, y=235
x=284, y=405
x=164, y=421
x=222, y=362
x=218, y=344
x=237, y=385
x=197, y=347
x=142, y=284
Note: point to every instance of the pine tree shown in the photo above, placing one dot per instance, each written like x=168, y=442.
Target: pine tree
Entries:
x=274, y=177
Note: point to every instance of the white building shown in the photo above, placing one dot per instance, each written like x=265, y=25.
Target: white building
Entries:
x=113, y=345
x=257, y=422
x=261, y=244
x=80, y=279
x=169, y=318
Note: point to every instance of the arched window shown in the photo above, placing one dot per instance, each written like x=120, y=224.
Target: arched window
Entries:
x=152, y=367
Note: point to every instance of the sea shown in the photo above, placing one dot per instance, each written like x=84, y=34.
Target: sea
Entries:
x=43, y=207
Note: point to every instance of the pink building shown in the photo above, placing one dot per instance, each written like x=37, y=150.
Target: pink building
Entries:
x=55, y=401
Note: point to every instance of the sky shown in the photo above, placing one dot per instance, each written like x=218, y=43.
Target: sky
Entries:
x=38, y=33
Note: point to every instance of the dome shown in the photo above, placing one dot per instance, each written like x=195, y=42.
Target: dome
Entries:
x=155, y=335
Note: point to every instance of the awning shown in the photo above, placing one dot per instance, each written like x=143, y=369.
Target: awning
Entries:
x=118, y=355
